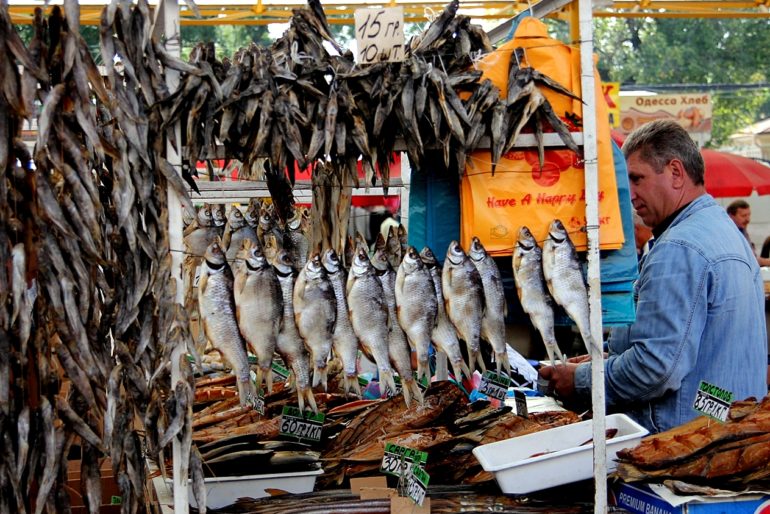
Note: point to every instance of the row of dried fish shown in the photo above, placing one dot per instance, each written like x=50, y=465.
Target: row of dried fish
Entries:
x=551, y=275
x=386, y=305
x=297, y=103
x=88, y=318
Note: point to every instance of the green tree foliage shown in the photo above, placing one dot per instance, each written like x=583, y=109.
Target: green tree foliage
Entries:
x=227, y=38
x=706, y=52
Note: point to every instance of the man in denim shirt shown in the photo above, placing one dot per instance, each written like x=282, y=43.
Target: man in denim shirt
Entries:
x=700, y=299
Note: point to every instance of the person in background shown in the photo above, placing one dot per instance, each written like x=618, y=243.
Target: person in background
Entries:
x=699, y=297
x=740, y=212
x=765, y=252
x=388, y=222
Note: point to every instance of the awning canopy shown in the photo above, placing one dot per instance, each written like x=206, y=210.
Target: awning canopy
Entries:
x=262, y=12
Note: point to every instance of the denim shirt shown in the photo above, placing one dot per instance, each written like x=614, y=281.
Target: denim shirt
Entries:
x=699, y=316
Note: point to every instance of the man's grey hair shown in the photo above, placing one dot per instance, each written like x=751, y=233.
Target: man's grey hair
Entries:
x=660, y=141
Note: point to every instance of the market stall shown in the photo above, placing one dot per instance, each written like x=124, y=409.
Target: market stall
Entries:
x=113, y=307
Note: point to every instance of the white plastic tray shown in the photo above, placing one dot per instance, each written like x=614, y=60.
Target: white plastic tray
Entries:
x=560, y=457
x=223, y=491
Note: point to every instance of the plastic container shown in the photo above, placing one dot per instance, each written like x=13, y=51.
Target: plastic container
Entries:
x=223, y=491
x=554, y=457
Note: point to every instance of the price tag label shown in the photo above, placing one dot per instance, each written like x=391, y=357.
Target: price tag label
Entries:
x=257, y=402
x=389, y=392
x=417, y=484
x=398, y=459
x=279, y=371
x=380, y=34
x=422, y=384
x=494, y=385
x=295, y=423
x=712, y=401
x=520, y=399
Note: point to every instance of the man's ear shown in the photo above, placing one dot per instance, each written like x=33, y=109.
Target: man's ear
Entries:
x=678, y=173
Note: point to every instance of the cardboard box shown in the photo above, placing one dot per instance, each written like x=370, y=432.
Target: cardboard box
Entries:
x=640, y=499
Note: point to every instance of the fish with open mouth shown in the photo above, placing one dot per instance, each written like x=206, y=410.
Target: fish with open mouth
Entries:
x=344, y=340
x=564, y=276
x=258, y=307
x=464, y=300
x=369, y=314
x=533, y=291
x=217, y=308
x=315, y=311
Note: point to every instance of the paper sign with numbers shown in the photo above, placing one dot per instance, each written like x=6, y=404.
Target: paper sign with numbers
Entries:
x=398, y=459
x=380, y=34
x=494, y=385
x=417, y=484
x=712, y=401
x=295, y=423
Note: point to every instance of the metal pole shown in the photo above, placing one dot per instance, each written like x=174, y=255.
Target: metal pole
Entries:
x=588, y=85
x=170, y=15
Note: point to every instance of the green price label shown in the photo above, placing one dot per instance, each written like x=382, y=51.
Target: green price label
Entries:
x=281, y=372
x=116, y=500
x=712, y=401
x=417, y=484
x=423, y=383
x=295, y=423
x=397, y=459
x=494, y=385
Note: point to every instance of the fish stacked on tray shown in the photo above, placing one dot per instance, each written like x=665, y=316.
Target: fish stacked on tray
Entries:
x=388, y=305
x=733, y=455
x=548, y=275
x=355, y=433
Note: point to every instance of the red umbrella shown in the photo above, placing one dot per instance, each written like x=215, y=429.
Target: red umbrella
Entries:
x=728, y=174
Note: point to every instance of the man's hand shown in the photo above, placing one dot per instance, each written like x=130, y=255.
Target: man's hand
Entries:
x=561, y=380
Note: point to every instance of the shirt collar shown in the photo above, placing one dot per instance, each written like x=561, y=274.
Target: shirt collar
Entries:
x=662, y=226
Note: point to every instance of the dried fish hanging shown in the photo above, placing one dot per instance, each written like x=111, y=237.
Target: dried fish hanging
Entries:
x=80, y=347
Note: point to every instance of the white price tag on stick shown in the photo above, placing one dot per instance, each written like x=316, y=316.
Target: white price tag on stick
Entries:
x=380, y=34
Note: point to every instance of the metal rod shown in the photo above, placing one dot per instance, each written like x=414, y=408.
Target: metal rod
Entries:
x=588, y=93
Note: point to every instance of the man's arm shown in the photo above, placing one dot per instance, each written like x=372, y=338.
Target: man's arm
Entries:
x=662, y=345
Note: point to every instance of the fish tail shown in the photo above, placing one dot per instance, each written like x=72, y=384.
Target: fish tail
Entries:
x=461, y=368
x=415, y=391
x=501, y=360
x=405, y=390
x=310, y=399
x=269, y=380
x=246, y=391
x=423, y=370
x=386, y=378
x=320, y=377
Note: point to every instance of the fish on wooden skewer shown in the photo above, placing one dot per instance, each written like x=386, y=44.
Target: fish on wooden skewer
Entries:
x=258, y=307
x=315, y=311
x=464, y=300
x=416, y=307
x=369, y=314
x=533, y=290
x=289, y=344
x=444, y=335
x=344, y=340
x=564, y=276
x=217, y=309
x=398, y=345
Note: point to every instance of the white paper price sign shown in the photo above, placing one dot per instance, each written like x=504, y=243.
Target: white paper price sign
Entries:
x=417, y=484
x=295, y=423
x=494, y=385
x=257, y=402
x=380, y=34
x=398, y=459
x=521, y=403
x=712, y=401
x=391, y=393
